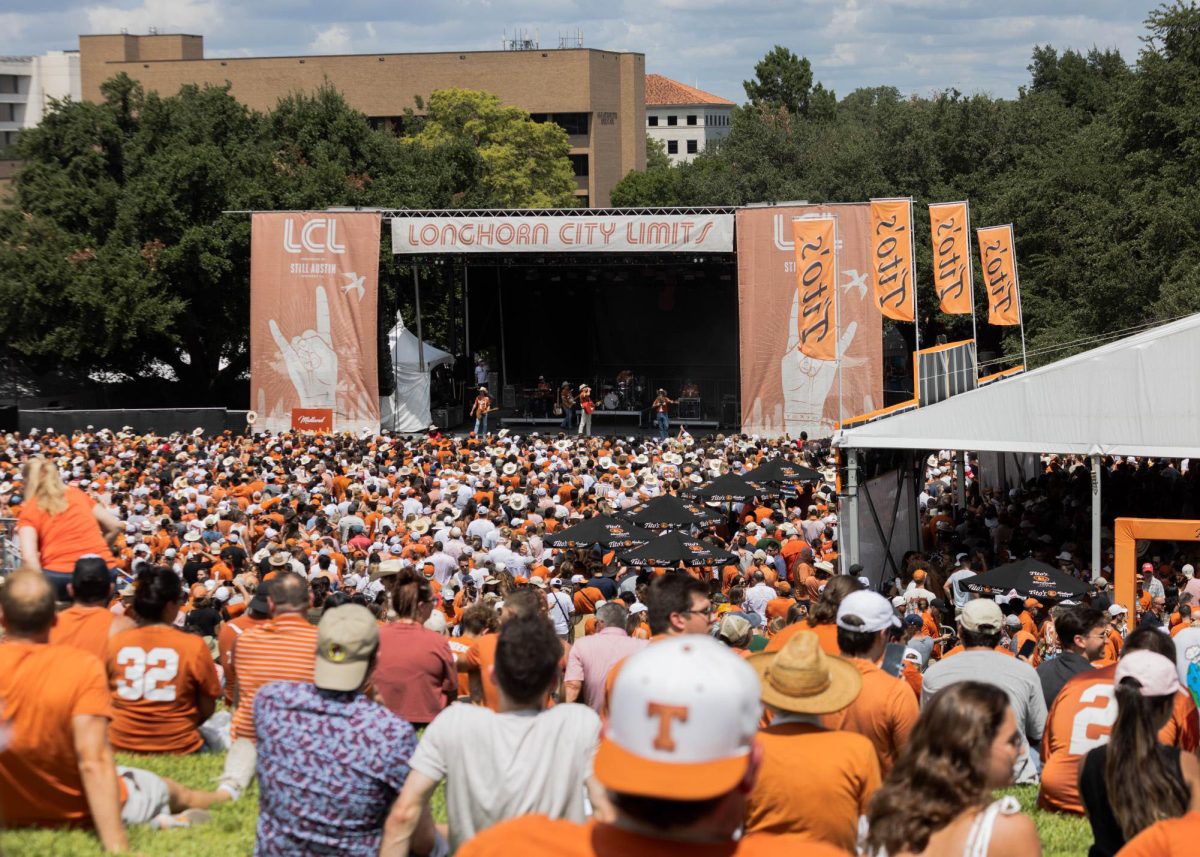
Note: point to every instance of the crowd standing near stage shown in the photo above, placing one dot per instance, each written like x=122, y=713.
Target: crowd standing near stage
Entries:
x=354, y=621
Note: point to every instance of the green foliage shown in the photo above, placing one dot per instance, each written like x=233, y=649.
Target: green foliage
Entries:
x=784, y=81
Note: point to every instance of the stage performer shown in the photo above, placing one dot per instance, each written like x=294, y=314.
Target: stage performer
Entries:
x=566, y=403
x=543, y=396
x=659, y=407
x=586, y=406
x=480, y=410
x=689, y=390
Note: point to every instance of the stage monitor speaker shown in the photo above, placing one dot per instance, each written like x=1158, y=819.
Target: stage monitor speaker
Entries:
x=447, y=417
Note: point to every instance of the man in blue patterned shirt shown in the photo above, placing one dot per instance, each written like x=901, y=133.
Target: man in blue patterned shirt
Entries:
x=330, y=760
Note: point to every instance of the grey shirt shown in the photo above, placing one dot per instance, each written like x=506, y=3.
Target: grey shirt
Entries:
x=1016, y=678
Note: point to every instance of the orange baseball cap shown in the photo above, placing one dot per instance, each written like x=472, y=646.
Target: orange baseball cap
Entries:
x=683, y=717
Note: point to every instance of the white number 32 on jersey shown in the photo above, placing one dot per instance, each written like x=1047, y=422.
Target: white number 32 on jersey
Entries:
x=147, y=675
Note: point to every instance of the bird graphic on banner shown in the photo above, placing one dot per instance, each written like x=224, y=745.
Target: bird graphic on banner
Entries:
x=356, y=282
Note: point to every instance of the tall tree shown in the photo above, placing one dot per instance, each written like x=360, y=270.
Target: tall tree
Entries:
x=783, y=80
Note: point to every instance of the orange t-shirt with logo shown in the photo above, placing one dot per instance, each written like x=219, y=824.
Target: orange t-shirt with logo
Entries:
x=1175, y=837
x=1080, y=720
x=885, y=712
x=812, y=782
x=65, y=537
x=85, y=628
x=44, y=688
x=156, y=674
x=539, y=836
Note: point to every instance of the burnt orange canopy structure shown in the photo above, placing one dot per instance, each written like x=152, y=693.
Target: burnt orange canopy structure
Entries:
x=1126, y=532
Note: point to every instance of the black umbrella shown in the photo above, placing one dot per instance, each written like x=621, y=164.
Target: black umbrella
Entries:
x=668, y=512
x=673, y=548
x=602, y=530
x=1027, y=577
x=781, y=470
x=731, y=488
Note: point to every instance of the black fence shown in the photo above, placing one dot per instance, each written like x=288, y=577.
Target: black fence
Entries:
x=161, y=421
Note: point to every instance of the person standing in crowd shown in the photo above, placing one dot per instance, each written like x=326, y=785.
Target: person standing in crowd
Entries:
x=88, y=623
x=164, y=682
x=593, y=657
x=415, y=675
x=1132, y=781
x=886, y=710
x=586, y=407
x=283, y=649
x=59, y=524
x=561, y=609
x=522, y=758
x=481, y=656
x=258, y=611
x=936, y=801
x=480, y=408
x=678, y=604
x=979, y=630
x=679, y=759
x=58, y=768
x=1082, y=716
x=812, y=780
x=1082, y=632
x=661, y=421
x=331, y=761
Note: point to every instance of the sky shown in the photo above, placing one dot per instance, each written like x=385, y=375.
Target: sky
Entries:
x=918, y=46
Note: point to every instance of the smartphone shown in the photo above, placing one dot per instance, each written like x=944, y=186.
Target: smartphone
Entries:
x=893, y=659
x=1027, y=649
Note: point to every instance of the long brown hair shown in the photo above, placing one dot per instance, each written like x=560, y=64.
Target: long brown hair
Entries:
x=942, y=771
x=412, y=590
x=44, y=486
x=824, y=612
x=1143, y=784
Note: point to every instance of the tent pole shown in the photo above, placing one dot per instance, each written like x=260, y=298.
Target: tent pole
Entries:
x=420, y=334
x=503, y=350
x=467, y=307
x=1096, y=464
x=849, y=519
x=396, y=370
x=960, y=465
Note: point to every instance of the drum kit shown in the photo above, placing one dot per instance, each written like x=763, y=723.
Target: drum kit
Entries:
x=626, y=393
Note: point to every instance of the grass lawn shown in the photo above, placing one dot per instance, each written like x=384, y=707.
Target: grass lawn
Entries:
x=231, y=831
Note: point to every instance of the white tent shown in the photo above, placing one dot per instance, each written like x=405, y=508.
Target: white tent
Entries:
x=1137, y=396
x=407, y=409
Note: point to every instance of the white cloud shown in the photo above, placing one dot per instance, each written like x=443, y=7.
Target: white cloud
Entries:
x=334, y=39
x=168, y=16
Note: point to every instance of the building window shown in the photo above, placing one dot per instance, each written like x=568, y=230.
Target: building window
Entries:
x=672, y=120
x=579, y=163
x=9, y=138
x=8, y=112
x=652, y=121
x=672, y=147
x=573, y=123
x=691, y=120
x=692, y=147
x=9, y=84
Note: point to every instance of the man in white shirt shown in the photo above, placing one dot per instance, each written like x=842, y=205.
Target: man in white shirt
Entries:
x=758, y=595
x=954, y=589
x=485, y=757
x=561, y=608
x=481, y=526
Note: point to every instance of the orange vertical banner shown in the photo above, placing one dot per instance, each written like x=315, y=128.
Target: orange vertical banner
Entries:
x=996, y=254
x=950, y=231
x=816, y=281
x=892, y=271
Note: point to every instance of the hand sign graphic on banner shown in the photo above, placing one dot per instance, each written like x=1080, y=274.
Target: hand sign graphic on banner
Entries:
x=312, y=362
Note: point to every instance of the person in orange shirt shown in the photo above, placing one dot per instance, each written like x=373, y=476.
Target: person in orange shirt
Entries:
x=1172, y=837
x=813, y=780
x=822, y=618
x=678, y=758
x=481, y=656
x=1082, y=718
x=258, y=611
x=163, y=680
x=88, y=623
x=886, y=711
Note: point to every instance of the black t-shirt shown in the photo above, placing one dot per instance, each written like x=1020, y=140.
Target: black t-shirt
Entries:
x=193, y=567
x=232, y=554
x=606, y=585
x=203, y=621
x=1105, y=829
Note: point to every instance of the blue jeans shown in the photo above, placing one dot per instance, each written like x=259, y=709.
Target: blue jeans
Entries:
x=481, y=422
x=568, y=420
x=660, y=420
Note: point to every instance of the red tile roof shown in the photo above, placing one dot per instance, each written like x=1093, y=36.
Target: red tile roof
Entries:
x=661, y=91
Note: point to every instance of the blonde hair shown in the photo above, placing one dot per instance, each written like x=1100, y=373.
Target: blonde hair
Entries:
x=44, y=486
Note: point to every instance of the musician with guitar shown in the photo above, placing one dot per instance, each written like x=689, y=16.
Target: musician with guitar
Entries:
x=586, y=406
x=566, y=406
x=661, y=401
x=480, y=410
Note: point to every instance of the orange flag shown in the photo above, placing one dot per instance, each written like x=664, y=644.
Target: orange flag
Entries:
x=950, y=230
x=815, y=280
x=892, y=259
x=999, y=262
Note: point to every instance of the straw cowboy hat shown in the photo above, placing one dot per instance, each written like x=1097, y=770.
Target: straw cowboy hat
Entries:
x=802, y=679
x=518, y=502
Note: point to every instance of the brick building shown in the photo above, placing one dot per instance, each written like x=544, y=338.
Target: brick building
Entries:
x=597, y=96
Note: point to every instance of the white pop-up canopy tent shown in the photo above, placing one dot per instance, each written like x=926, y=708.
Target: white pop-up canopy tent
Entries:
x=1136, y=396
x=407, y=409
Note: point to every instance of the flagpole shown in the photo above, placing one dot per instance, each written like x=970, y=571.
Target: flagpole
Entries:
x=837, y=320
x=1012, y=242
x=971, y=285
x=912, y=254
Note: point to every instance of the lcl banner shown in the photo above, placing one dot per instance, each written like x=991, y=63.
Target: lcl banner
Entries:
x=314, y=277
x=892, y=271
x=950, y=231
x=997, y=255
x=537, y=233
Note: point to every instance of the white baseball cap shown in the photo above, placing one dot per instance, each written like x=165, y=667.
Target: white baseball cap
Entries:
x=872, y=608
x=1155, y=673
x=1116, y=610
x=682, y=721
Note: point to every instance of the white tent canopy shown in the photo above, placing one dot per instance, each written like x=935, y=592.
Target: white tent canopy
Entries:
x=407, y=409
x=1137, y=396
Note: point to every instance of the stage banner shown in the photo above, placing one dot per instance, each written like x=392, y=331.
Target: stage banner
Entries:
x=997, y=256
x=592, y=233
x=950, y=231
x=816, y=273
x=782, y=389
x=893, y=274
x=314, y=277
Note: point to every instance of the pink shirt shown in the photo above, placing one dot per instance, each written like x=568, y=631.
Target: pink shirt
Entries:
x=593, y=657
x=414, y=671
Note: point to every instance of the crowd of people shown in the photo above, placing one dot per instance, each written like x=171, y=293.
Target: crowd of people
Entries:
x=354, y=621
